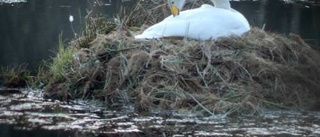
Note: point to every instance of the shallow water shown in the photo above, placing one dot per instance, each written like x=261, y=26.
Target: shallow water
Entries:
x=27, y=113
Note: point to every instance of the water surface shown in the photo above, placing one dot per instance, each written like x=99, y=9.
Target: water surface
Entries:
x=26, y=113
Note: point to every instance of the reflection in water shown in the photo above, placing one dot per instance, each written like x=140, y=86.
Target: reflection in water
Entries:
x=29, y=31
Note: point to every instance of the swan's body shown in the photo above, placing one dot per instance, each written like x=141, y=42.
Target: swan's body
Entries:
x=203, y=23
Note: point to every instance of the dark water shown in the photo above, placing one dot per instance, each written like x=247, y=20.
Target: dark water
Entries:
x=29, y=30
x=26, y=114
x=11, y=131
x=301, y=18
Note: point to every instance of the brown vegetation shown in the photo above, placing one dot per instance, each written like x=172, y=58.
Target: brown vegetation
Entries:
x=232, y=74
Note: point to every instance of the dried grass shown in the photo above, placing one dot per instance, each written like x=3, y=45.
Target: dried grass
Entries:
x=233, y=74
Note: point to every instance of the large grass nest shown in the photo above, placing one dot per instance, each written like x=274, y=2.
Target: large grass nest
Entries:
x=245, y=74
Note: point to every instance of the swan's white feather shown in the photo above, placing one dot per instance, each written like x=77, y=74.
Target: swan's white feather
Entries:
x=203, y=23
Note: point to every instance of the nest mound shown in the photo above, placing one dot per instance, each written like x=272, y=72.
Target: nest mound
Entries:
x=232, y=74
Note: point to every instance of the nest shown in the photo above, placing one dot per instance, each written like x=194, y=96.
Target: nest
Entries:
x=246, y=74
x=231, y=74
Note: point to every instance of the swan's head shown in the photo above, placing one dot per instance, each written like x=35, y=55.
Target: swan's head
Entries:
x=177, y=5
x=225, y=4
x=173, y=8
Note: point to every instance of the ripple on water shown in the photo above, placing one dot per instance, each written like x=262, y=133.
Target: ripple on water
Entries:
x=29, y=111
x=12, y=1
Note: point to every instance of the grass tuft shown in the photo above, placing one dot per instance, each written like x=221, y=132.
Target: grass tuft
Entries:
x=15, y=77
x=60, y=65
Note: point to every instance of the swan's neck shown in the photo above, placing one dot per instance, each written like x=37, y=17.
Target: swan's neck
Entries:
x=225, y=4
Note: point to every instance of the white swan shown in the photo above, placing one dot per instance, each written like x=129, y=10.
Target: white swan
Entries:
x=203, y=23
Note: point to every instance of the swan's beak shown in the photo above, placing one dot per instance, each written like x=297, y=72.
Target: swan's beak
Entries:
x=174, y=9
